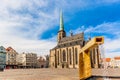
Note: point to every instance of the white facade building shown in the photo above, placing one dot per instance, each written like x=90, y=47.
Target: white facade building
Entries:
x=11, y=58
x=27, y=60
x=113, y=62
x=116, y=62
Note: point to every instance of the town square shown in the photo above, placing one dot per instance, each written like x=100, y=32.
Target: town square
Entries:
x=60, y=40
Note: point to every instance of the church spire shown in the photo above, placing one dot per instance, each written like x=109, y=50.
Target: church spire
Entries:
x=61, y=21
x=61, y=32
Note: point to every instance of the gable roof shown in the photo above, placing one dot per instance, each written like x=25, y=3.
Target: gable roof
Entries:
x=107, y=59
x=2, y=49
x=79, y=36
x=117, y=58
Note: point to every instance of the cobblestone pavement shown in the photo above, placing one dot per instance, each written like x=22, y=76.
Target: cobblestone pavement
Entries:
x=106, y=72
x=39, y=74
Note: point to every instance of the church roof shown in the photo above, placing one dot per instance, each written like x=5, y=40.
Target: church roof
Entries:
x=79, y=36
x=77, y=39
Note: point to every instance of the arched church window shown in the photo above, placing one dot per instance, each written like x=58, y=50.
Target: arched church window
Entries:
x=64, y=55
x=70, y=58
x=59, y=37
x=76, y=56
x=58, y=57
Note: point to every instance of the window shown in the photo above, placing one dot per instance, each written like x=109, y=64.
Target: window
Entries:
x=76, y=42
x=58, y=58
x=76, y=56
x=64, y=55
x=70, y=58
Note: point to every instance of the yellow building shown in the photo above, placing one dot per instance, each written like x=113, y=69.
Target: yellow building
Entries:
x=65, y=54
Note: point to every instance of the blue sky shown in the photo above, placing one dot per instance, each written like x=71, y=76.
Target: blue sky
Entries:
x=32, y=25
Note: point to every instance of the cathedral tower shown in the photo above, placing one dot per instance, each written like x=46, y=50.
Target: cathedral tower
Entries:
x=61, y=33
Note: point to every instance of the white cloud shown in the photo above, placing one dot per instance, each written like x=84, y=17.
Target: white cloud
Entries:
x=110, y=31
x=112, y=37
x=112, y=47
x=105, y=28
x=23, y=21
x=21, y=30
x=10, y=37
x=80, y=29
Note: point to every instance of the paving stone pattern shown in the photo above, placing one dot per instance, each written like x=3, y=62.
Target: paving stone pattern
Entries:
x=40, y=74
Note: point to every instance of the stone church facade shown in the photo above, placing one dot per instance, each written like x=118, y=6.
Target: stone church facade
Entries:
x=66, y=53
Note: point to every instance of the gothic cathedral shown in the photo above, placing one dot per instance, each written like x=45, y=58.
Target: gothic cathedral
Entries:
x=65, y=54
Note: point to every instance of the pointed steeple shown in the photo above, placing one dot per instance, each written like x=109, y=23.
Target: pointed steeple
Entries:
x=61, y=32
x=61, y=21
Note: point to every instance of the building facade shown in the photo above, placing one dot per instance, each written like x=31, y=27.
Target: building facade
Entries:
x=117, y=62
x=65, y=54
x=41, y=62
x=27, y=60
x=108, y=62
x=2, y=57
x=113, y=62
x=11, y=56
x=21, y=60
